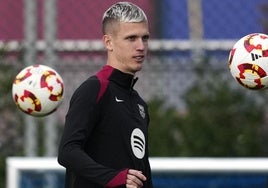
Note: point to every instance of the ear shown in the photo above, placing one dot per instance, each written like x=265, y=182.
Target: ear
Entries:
x=107, y=40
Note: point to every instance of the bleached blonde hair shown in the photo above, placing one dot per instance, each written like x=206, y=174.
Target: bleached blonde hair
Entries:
x=123, y=12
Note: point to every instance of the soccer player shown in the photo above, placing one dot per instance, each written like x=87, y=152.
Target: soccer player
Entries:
x=105, y=138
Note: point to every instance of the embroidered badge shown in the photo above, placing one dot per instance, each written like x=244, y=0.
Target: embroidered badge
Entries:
x=142, y=111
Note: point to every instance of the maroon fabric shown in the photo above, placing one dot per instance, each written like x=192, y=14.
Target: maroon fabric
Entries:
x=119, y=179
x=103, y=77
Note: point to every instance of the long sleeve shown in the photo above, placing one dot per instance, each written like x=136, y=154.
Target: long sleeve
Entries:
x=80, y=121
x=105, y=122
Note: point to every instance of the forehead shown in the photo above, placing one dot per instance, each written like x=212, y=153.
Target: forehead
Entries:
x=124, y=28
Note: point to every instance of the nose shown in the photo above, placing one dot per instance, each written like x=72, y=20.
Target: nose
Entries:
x=141, y=44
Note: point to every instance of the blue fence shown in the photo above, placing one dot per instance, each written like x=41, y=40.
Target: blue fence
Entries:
x=226, y=19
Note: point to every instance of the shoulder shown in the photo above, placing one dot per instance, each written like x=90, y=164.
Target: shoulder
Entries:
x=92, y=88
x=87, y=90
x=90, y=85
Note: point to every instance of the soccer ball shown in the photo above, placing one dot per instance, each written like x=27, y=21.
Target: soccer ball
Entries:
x=248, y=61
x=38, y=90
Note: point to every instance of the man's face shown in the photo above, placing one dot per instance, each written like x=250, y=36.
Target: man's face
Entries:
x=128, y=46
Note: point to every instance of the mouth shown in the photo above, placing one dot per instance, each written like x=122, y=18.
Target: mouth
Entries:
x=139, y=58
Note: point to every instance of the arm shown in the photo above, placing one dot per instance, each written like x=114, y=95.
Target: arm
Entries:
x=80, y=121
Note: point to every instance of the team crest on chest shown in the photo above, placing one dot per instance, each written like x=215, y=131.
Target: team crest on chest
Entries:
x=142, y=111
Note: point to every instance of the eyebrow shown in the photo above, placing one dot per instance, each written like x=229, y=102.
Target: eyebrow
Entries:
x=136, y=36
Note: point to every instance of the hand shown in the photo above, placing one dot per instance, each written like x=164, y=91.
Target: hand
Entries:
x=135, y=179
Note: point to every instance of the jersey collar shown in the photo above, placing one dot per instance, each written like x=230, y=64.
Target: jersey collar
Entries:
x=123, y=79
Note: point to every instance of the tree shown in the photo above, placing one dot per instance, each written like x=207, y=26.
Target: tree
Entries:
x=163, y=134
x=10, y=124
x=221, y=120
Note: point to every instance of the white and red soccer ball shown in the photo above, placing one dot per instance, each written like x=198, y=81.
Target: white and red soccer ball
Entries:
x=38, y=90
x=248, y=61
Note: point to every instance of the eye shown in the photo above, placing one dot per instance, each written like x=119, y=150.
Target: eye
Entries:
x=131, y=38
x=145, y=38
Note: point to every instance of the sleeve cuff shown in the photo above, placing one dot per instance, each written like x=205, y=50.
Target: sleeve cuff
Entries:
x=119, y=179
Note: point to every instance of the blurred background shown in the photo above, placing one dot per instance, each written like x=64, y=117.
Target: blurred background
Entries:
x=197, y=109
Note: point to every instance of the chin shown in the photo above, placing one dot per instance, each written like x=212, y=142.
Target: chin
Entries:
x=138, y=67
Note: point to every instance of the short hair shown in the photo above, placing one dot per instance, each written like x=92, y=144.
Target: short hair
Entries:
x=123, y=12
